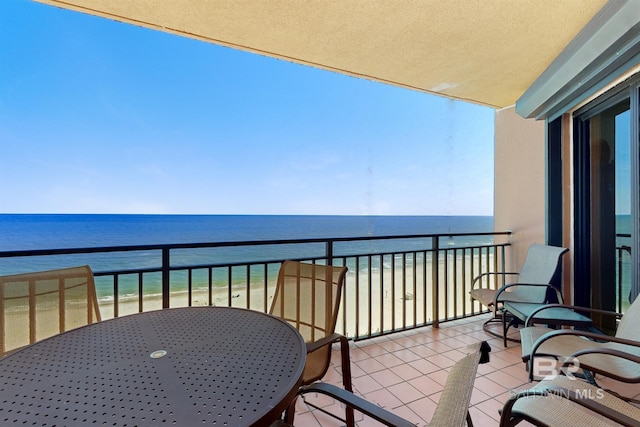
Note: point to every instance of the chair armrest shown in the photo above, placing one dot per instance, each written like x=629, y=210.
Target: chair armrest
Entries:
x=505, y=287
x=490, y=273
x=328, y=340
x=344, y=353
x=356, y=402
x=608, y=351
x=583, y=334
x=571, y=307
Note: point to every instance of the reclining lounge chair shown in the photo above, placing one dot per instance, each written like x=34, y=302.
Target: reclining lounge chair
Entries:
x=533, y=283
x=562, y=402
x=617, y=357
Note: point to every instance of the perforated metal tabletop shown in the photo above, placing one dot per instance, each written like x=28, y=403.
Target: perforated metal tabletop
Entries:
x=183, y=366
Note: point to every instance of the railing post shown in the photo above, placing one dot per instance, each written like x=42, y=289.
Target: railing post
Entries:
x=504, y=268
x=329, y=252
x=116, y=296
x=435, y=278
x=619, y=290
x=166, y=273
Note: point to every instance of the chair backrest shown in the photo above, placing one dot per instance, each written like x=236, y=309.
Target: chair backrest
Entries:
x=34, y=306
x=308, y=296
x=453, y=405
x=628, y=326
x=540, y=265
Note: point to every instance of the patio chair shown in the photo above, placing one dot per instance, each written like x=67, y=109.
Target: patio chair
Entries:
x=453, y=406
x=34, y=306
x=533, y=283
x=562, y=402
x=617, y=357
x=308, y=296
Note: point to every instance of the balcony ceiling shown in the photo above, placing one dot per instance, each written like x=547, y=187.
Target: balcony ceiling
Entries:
x=483, y=51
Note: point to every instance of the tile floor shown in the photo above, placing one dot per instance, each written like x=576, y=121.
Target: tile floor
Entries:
x=405, y=373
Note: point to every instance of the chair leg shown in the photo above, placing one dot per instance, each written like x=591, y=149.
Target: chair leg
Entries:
x=290, y=412
x=347, y=384
x=469, y=422
x=486, y=328
x=512, y=321
x=346, y=378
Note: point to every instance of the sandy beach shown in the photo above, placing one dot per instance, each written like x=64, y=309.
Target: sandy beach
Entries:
x=373, y=301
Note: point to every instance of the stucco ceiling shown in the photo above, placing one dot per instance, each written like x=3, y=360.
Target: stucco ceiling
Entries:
x=483, y=51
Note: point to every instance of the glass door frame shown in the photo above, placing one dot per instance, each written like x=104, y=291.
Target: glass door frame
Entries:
x=582, y=226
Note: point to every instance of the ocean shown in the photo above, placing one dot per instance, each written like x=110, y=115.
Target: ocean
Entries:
x=44, y=231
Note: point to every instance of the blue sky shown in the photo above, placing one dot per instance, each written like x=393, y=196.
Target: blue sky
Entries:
x=98, y=116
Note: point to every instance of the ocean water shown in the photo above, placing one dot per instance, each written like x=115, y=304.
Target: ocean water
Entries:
x=23, y=231
x=27, y=232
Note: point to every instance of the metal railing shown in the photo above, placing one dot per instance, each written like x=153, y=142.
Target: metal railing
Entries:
x=623, y=271
x=394, y=283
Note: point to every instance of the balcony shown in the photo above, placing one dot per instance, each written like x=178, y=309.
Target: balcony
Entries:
x=405, y=307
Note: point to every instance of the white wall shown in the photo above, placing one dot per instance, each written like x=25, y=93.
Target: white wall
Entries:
x=519, y=194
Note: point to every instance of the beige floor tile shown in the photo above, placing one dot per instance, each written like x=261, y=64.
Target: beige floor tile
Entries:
x=365, y=384
x=374, y=350
x=386, y=378
x=389, y=360
x=384, y=398
x=406, y=355
x=425, y=366
x=424, y=408
x=405, y=373
x=370, y=365
x=490, y=387
x=426, y=385
x=405, y=392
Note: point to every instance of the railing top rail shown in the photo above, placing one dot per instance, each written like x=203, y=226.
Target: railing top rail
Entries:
x=279, y=260
x=163, y=246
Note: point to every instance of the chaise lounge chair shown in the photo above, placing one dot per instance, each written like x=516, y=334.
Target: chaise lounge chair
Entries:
x=532, y=285
x=562, y=402
x=617, y=357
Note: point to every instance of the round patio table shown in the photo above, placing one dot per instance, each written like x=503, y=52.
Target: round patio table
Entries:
x=175, y=367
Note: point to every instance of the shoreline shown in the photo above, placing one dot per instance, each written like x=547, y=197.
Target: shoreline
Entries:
x=374, y=300
x=199, y=297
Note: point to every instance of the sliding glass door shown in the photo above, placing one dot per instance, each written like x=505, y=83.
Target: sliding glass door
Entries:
x=606, y=171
